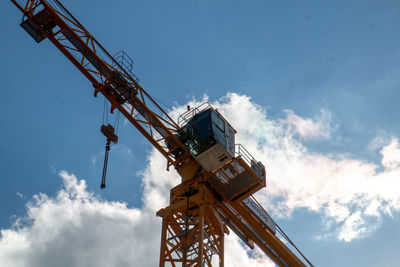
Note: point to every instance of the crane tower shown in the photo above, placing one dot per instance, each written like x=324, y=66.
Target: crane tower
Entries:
x=219, y=177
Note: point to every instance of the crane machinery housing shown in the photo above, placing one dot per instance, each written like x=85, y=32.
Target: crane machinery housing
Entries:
x=219, y=177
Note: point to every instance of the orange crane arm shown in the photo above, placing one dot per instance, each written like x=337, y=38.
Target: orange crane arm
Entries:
x=114, y=79
x=109, y=76
x=249, y=227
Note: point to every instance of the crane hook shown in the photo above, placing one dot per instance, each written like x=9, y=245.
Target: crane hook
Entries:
x=109, y=133
x=103, y=179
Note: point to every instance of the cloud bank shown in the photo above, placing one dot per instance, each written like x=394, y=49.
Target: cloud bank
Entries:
x=350, y=194
x=78, y=228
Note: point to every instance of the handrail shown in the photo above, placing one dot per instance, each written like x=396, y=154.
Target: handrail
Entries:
x=125, y=63
x=255, y=165
x=240, y=150
x=191, y=112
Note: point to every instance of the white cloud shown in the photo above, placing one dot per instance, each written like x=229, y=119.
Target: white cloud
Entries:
x=77, y=228
x=391, y=155
x=355, y=227
x=308, y=128
x=336, y=186
x=378, y=142
x=238, y=255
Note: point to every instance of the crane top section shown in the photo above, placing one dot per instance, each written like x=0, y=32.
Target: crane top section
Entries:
x=233, y=172
x=209, y=137
x=203, y=138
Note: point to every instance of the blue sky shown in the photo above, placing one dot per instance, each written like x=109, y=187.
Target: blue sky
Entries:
x=292, y=58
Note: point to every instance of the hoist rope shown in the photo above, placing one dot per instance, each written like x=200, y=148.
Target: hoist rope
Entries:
x=105, y=111
x=116, y=122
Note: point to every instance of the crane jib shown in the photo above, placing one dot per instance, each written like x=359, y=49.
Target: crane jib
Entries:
x=220, y=200
x=260, y=213
x=115, y=82
x=82, y=48
x=150, y=117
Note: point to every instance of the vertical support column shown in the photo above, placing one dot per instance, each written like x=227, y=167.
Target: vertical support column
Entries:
x=191, y=232
x=222, y=248
x=200, y=234
x=163, y=244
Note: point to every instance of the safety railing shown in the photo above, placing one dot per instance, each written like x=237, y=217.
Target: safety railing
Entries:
x=257, y=166
x=125, y=63
x=246, y=156
x=191, y=112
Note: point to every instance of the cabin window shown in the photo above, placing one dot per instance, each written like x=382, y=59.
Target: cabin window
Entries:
x=219, y=122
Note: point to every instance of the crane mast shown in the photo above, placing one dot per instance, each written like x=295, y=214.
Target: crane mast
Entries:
x=218, y=177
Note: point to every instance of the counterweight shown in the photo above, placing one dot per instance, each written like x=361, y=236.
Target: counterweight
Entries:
x=218, y=177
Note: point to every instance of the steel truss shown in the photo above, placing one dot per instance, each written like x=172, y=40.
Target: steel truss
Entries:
x=192, y=231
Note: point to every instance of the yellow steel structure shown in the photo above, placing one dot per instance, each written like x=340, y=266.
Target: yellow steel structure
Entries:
x=201, y=209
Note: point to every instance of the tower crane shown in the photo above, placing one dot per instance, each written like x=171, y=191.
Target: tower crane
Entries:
x=219, y=177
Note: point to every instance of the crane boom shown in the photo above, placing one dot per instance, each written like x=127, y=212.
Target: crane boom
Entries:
x=108, y=76
x=218, y=179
